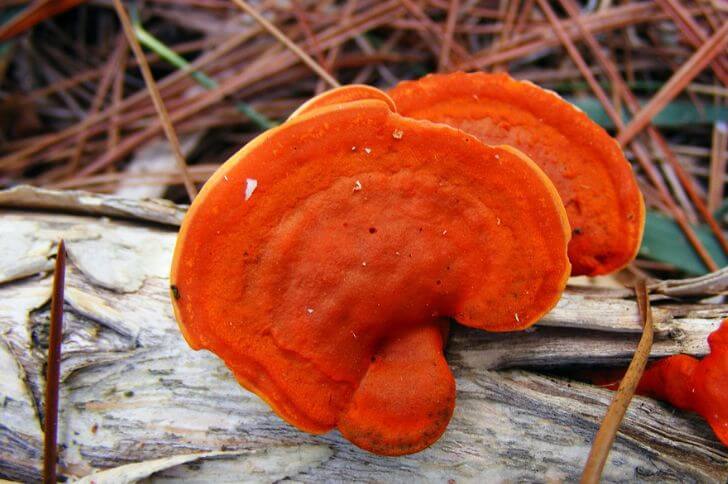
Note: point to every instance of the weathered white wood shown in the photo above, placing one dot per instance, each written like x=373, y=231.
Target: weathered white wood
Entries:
x=599, y=313
x=132, y=391
x=712, y=283
x=153, y=210
x=267, y=465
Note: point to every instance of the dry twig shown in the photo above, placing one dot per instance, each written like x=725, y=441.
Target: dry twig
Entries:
x=623, y=396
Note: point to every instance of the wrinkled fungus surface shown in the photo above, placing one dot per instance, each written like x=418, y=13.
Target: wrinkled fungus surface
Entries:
x=324, y=291
x=595, y=181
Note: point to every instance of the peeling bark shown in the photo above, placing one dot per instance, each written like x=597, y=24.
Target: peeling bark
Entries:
x=137, y=403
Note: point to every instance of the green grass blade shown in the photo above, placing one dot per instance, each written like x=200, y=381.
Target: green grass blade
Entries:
x=674, y=115
x=665, y=242
x=159, y=48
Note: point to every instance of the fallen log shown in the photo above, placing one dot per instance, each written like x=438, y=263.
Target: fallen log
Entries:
x=137, y=403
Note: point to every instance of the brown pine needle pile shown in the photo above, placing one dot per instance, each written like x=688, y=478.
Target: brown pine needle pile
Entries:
x=153, y=109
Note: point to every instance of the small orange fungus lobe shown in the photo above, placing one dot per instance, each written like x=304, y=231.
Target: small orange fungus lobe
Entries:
x=342, y=95
x=595, y=181
x=696, y=385
x=324, y=291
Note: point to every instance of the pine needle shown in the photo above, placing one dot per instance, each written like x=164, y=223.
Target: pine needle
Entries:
x=282, y=38
x=156, y=98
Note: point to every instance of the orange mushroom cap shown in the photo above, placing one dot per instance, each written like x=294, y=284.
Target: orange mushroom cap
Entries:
x=319, y=260
x=669, y=379
x=696, y=385
x=595, y=181
x=711, y=383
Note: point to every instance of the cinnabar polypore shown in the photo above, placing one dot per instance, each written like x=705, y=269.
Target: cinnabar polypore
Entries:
x=595, y=181
x=696, y=385
x=319, y=261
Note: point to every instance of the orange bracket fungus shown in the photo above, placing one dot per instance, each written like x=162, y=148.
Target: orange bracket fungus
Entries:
x=696, y=385
x=586, y=165
x=320, y=261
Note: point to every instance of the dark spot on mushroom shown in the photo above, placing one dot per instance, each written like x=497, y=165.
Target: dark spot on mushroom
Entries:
x=128, y=393
x=577, y=231
x=175, y=291
x=94, y=428
x=439, y=282
x=372, y=230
